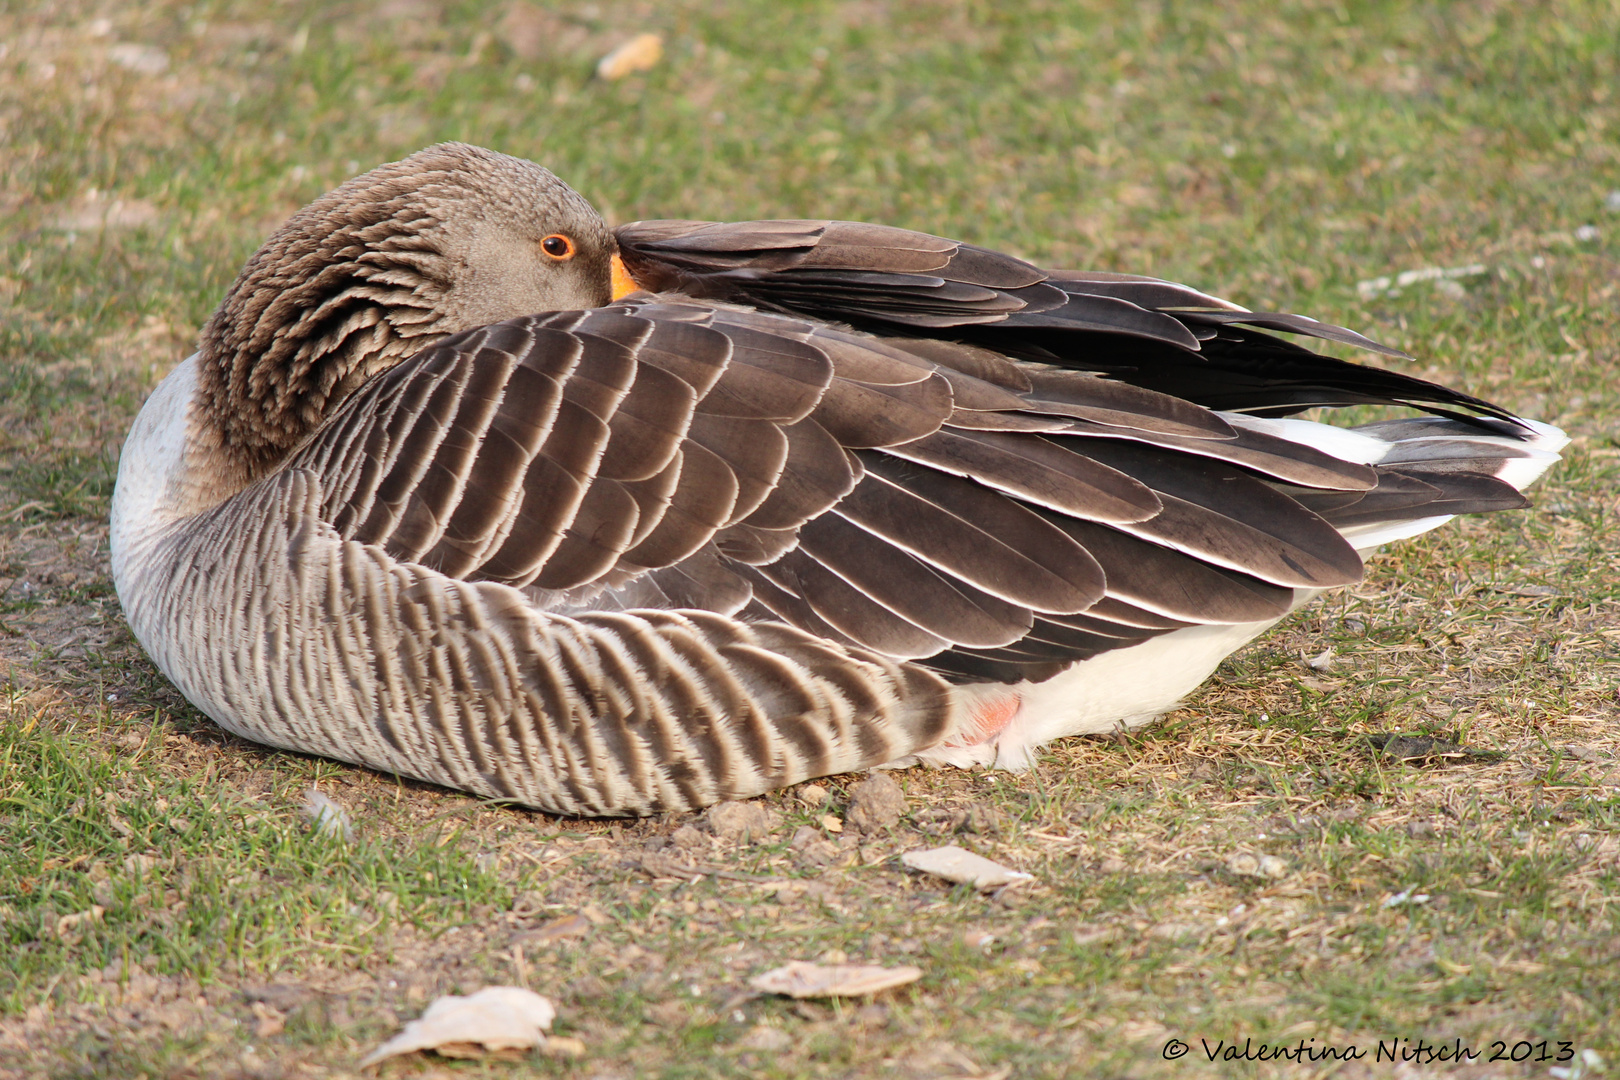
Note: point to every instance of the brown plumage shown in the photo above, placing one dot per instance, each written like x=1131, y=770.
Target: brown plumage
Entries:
x=429, y=499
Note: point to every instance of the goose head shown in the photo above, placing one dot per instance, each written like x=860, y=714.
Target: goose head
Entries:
x=448, y=239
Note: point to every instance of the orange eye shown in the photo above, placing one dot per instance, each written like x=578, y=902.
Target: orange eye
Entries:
x=558, y=246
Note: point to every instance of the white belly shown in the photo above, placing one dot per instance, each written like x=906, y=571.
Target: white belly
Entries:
x=1125, y=688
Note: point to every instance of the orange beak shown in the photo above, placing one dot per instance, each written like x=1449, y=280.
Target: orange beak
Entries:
x=623, y=283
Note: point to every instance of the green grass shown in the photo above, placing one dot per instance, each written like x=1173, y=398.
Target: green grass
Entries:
x=1276, y=154
x=191, y=878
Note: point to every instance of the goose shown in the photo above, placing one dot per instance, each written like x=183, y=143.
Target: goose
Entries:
x=462, y=485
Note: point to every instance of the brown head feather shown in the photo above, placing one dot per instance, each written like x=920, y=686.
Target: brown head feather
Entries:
x=442, y=241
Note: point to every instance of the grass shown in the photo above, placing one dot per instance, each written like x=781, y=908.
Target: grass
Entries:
x=166, y=908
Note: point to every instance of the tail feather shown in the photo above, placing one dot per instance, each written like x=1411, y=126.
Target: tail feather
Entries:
x=1428, y=469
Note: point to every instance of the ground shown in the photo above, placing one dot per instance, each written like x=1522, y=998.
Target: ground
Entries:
x=1395, y=819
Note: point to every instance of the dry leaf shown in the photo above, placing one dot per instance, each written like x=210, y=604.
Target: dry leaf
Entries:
x=638, y=54
x=272, y=1021
x=140, y=865
x=67, y=924
x=805, y=980
x=561, y=929
x=963, y=867
x=563, y=1046
x=978, y=939
x=495, y=1018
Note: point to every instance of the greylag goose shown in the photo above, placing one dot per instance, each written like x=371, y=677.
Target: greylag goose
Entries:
x=463, y=485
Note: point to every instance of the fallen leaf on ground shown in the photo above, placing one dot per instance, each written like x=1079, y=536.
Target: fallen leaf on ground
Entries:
x=801, y=979
x=495, y=1018
x=140, y=865
x=67, y=924
x=963, y=867
x=563, y=1046
x=569, y=926
x=271, y=1021
x=638, y=54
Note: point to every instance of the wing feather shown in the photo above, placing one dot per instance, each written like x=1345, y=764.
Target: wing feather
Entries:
x=975, y=507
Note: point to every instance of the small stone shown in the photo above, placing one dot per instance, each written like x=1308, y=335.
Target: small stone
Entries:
x=739, y=822
x=687, y=838
x=281, y=997
x=821, y=853
x=1244, y=864
x=984, y=820
x=811, y=795
x=766, y=1038
x=875, y=803
x=141, y=59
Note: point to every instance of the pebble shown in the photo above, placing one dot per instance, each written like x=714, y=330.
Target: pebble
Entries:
x=875, y=804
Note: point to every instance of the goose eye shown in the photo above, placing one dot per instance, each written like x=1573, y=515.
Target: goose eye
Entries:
x=558, y=246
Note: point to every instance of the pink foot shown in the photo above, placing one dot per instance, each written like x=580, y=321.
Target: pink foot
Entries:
x=987, y=719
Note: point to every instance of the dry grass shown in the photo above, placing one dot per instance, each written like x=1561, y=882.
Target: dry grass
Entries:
x=1277, y=154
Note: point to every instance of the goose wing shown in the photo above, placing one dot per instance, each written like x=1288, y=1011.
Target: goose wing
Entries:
x=1151, y=333
x=924, y=499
